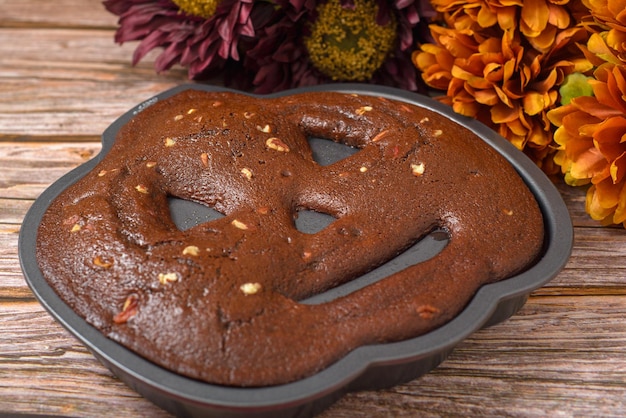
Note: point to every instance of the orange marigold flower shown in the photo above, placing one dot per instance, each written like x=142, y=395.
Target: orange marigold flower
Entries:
x=502, y=64
x=537, y=20
x=591, y=136
x=608, y=39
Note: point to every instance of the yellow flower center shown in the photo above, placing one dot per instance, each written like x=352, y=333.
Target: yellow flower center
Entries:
x=201, y=8
x=348, y=44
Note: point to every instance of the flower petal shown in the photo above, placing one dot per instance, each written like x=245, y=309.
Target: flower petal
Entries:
x=544, y=39
x=608, y=194
x=557, y=114
x=594, y=107
x=618, y=168
x=608, y=135
x=507, y=17
x=619, y=217
x=535, y=15
x=503, y=114
x=486, y=18
x=486, y=97
x=593, y=206
x=589, y=164
x=533, y=103
x=597, y=45
x=559, y=17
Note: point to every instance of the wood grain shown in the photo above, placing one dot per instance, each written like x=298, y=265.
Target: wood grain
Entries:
x=30, y=167
x=44, y=362
x=68, y=77
x=63, y=80
x=61, y=13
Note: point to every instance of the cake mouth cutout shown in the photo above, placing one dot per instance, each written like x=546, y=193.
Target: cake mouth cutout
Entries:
x=253, y=277
x=424, y=249
x=187, y=214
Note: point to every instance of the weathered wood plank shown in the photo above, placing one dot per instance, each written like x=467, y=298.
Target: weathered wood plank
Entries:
x=60, y=13
x=70, y=82
x=597, y=263
x=28, y=168
x=45, y=370
x=12, y=211
x=12, y=283
x=92, y=53
x=8, y=251
x=531, y=365
x=533, y=356
x=87, y=108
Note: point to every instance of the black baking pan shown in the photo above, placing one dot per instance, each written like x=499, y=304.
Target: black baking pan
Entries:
x=368, y=367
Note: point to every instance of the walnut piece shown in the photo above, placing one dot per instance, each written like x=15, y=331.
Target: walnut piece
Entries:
x=191, y=250
x=417, y=169
x=427, y=311
x=239, y=225
x=170, y=277
x=361, y=110
x=246, y=172
x=130, y=309
x=141, y=188
x=250, y=288
x=204, y=157
x=101, y=262
x=265, y=129
x=277, y=145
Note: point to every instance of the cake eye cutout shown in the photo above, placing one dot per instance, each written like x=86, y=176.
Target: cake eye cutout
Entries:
x=312, y=222
x=186, y=214
x=424, y=249
x=327, y=152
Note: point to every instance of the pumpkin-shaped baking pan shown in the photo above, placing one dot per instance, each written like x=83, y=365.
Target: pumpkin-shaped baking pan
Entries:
x=368, y=367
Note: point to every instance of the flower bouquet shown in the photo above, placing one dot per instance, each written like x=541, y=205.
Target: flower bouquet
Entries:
x=548, y=75
x=267, y=46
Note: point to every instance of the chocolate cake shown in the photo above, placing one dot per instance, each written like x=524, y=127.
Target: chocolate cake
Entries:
x=222, y=300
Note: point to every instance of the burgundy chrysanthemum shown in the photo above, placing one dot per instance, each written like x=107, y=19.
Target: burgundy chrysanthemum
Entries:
x=281, y=60
x=202, y=45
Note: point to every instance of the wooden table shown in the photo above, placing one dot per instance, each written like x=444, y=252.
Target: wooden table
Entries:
x=63, y=80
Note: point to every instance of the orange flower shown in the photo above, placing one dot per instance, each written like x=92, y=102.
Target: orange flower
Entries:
x=537, y=20
x=591, y=136
x=609, y=39
x=503, y=64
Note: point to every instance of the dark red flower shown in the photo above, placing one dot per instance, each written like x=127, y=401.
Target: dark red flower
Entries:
x=202, y=44
x=288, y=52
